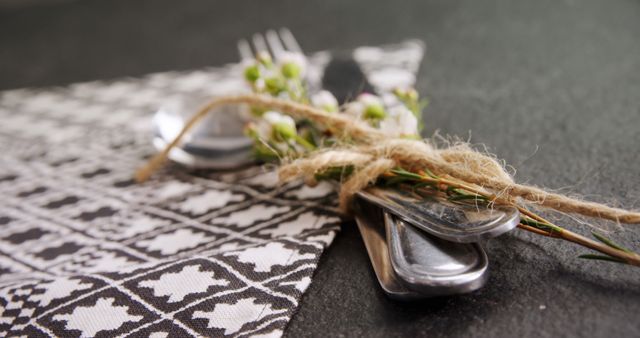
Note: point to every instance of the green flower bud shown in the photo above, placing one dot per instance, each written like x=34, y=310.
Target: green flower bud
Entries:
x=283, y=131
x=252, y=73
x=290, y=70
x=374, y=112
x=250, y=131
x=329, y=108
x=412, y=94
x=399, y=92
x=265, y=59
x=257, y=112
x=274, y=85
x=408, y=94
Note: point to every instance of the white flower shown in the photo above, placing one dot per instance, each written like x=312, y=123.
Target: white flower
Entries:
x=292, y=62
x=369, y=99
x=400, y=122
x=373, y=106
x=259, y=85
x=274, y=125
x=325, y=100
x=354, y=109
x=365, y=104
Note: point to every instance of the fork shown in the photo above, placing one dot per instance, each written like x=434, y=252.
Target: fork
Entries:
x=329, y=76
x=274, y=43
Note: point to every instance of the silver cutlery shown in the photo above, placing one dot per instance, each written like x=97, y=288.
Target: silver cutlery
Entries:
x=410, y=264
x=433, y=266
x=455, y=222
x=218, y=142
x=370, y=221
x=419, y=246
x=274, y=43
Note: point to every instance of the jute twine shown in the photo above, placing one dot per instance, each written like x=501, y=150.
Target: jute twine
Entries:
x=372, y=153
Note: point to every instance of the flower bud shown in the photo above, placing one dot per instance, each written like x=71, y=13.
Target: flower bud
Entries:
x=274, y=85
x=257, y=112
x=284, y=131
x=412, y=94
x=399, y=92
x=290, y=70
x=282, y=127
x=251, y=130
x=373, y=108
x=400, y=122
x=406, y=94
x=252, y=73
x=325, y=100
x=292, y=65
x=374, y=112
x=264, y=58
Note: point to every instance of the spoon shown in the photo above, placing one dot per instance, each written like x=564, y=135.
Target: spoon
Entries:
x=433, y=266
x=410, y=264
x=462, y=223
x=218, y=142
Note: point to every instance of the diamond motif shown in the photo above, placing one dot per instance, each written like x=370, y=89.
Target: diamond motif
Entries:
x=211, y=199
x=103, y=316
x=301, y=284
x=304, y=221
x=231, y=317
x=180, y=284
x=258, y=212
x=264, y=258
x=307, y=192
x=58, y=288
x=174, y=242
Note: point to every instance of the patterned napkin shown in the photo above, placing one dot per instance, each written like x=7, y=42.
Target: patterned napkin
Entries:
x=84, y=251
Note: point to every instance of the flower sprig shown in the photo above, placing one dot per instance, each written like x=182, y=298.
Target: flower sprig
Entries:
x=282, y=79
x=460, y=192
x=278, y=136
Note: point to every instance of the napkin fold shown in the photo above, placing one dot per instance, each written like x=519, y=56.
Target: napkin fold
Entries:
x=84, y=251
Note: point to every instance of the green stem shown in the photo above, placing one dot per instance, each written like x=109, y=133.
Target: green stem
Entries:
x=304, y=143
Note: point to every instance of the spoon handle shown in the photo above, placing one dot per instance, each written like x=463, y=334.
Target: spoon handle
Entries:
x=454, y=222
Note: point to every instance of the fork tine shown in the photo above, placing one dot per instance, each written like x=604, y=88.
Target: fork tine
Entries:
x=259, y=44
x=289, y=40
x=273, y=40
x=244, y=49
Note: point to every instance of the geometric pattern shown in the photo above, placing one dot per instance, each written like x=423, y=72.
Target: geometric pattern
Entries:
x=86, y=252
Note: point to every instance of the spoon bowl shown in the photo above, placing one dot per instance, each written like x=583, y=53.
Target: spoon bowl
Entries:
x=218, y=142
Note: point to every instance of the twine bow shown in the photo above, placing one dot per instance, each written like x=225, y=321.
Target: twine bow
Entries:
x=373, y=153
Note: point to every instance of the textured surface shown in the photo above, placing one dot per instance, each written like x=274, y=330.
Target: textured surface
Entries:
x=185, y=254
x=552, y=87
x=84, y=251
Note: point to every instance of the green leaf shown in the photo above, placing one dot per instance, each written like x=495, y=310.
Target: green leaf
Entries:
x=335, y=173
x=609, y=242
x=539, y=225
x=477, y=198
x=421, y=185
x=430, y=173
x=407, y=174
x=304, y=143
x=602, y=258
x=395, y=180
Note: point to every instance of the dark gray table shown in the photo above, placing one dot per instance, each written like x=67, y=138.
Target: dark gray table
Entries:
x=552, y=87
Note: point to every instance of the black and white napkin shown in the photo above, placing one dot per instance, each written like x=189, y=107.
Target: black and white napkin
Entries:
x=84, y=251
